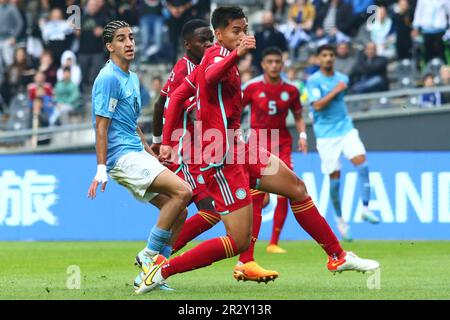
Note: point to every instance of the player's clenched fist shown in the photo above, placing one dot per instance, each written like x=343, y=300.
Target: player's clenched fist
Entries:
x=247, y=43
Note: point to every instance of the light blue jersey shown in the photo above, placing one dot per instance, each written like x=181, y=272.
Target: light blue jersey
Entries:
x=116, y=95
x=332, y=120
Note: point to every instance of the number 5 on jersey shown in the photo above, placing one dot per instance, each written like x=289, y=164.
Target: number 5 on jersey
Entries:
x=272, y=107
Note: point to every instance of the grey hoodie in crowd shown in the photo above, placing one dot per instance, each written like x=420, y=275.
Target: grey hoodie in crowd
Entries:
x=11, y=21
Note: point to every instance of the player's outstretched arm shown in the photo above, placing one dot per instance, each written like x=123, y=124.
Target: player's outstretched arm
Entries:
x=101, y=147
x=158, y=113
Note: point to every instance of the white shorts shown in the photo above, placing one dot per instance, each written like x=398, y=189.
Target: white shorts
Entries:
x=330, y=150
x=136, y=171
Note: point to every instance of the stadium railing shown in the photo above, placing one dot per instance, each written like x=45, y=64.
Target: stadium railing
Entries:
x=81, y=137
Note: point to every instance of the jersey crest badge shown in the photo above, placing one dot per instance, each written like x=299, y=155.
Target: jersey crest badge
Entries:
x=284, y=96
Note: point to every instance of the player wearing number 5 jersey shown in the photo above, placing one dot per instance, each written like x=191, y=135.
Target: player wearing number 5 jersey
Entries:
x=270, y=99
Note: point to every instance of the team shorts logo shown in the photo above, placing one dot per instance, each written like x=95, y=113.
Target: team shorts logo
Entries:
x=241, y=194
x=284, y=96
x=200, y=179
x=145, y=173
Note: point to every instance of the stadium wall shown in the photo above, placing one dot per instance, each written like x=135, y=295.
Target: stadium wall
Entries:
x=44, y=197
x=401, y=129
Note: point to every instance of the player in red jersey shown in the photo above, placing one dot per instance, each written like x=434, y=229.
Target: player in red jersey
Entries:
x=270, y=98
x=219, y=99
x=197, y=36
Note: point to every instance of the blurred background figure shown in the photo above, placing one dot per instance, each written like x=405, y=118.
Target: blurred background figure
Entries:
x=429, y=99
x=369, y=73
x=10, y=27
x=151, y=22
x=67, y=96
x=431, y=19
x=69, y=60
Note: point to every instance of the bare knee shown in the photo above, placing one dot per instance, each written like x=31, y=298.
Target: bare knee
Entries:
x=300, y=191
x=183, y=193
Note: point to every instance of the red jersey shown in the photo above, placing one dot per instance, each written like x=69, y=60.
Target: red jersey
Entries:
x=181, y=70
x=219, y=97
x=270, y=103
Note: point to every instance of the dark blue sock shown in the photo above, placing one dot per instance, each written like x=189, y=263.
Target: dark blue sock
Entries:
x=166, y=251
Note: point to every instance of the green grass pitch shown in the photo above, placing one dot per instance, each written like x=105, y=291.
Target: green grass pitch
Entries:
x=410, y=270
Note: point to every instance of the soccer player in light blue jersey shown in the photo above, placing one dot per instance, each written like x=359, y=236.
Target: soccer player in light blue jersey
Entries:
x=122, y=150
x=336, y=134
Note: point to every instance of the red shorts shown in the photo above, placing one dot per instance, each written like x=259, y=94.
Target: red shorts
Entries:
x=229, y=185
x=191, y=174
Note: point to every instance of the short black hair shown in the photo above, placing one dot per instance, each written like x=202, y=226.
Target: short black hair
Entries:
x=111, y=28
x=326, y=47
x=272, y=50
x=222, y=16
x=192, y=25
x=66, y=69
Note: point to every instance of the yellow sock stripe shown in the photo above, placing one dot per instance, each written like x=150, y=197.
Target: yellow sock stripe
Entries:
x=225, y=245
x=227, y=240
x=213, y=217
x=301, y=206
x=303, y=209
x=207, y=218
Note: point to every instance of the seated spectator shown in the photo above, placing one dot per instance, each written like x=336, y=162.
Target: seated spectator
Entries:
x=333, y=21
x=381, y=33
x=69, y=60
x=268, y=37
x=48, y=67
x=345, y=58
x=369, y=74
x=67, y=96
x=18, y=75
x=444, y=75
x=429, y=99
x=40, y=119
x=39, y=83
x=57, y=33
x=313, y=66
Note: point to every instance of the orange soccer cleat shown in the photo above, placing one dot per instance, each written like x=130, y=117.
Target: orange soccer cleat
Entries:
x=274, y=248
x=252, y=271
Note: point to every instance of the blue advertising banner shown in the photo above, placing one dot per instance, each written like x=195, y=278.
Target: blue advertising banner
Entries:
x=44, y=197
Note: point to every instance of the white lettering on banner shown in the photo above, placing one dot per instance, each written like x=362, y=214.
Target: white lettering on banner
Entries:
x=444, y=197
x=25, y=201
x=405, y=190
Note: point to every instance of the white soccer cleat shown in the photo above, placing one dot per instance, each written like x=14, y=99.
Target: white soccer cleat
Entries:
x=344, y=229
x=369, y=216
x=351, y=262
x=153, y=278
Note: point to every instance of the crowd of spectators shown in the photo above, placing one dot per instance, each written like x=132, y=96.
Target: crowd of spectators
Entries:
x=53, y=62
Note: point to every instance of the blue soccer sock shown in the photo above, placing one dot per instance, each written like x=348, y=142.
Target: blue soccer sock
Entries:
x=158, y=239
x=364, y=183
x=166, y=251
x=335, y=197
